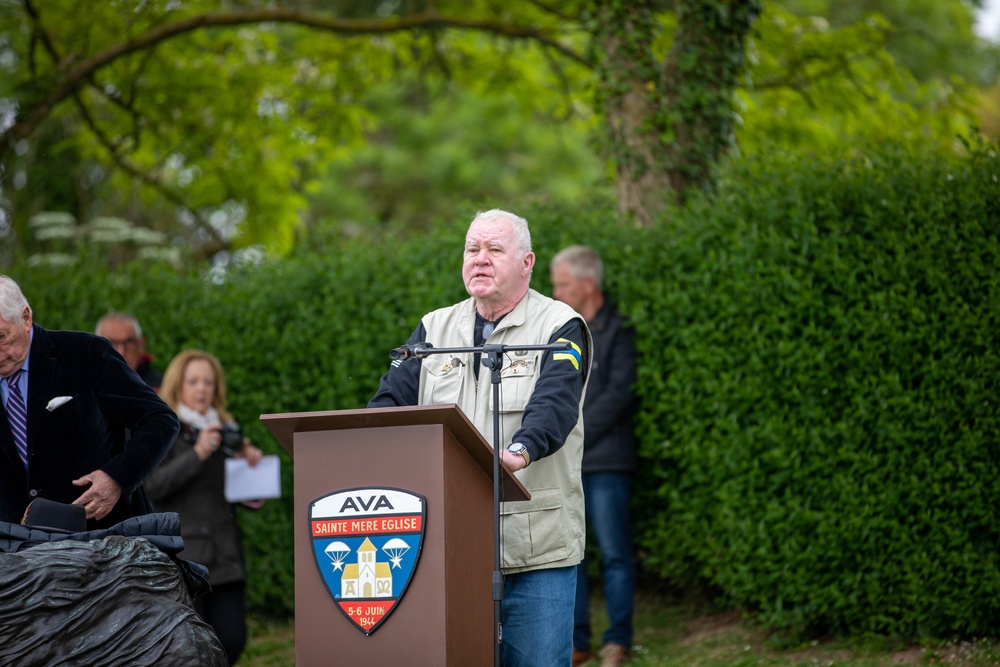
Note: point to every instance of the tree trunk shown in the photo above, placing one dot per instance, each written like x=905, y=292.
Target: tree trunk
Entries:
x=669, y=123
x=629, y=81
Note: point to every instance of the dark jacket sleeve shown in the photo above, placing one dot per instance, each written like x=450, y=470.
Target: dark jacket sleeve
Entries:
x=124, y=398
x=177, y=471
x=401, y=383
x=554, y=406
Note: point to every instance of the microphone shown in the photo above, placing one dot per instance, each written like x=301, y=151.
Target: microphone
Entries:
x=409, y=351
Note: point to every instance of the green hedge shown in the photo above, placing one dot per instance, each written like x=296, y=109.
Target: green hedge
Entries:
x=821, y=398
x=818, y=352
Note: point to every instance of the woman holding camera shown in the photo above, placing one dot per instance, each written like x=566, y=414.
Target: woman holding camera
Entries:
x=191, y=481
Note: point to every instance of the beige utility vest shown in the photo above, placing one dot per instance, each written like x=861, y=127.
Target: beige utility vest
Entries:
x=548, y=530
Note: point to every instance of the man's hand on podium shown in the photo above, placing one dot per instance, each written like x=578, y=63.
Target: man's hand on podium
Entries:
x=513, y=462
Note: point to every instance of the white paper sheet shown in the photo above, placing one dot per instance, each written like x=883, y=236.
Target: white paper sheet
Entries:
x=246, y=483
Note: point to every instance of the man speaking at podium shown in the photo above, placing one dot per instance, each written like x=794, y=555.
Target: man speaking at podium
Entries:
x=541, y=424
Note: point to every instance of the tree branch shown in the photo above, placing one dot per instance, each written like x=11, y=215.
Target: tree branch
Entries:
x=142, y=175
x=84, y=69
x=798, y=77
x=40, y=32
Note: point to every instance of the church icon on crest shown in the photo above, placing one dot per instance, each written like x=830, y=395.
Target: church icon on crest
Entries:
x=368, y=577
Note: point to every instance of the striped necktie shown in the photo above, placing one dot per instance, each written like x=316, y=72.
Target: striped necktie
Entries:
x=17, y=414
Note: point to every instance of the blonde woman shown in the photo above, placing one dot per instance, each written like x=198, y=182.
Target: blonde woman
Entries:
x=191, y=482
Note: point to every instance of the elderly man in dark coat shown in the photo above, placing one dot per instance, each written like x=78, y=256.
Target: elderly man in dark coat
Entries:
x=79, y=425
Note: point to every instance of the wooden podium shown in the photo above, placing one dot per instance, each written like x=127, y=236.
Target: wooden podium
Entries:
x=445, y=614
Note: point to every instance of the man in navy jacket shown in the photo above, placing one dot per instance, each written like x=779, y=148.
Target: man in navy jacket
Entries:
x=609, y=451
x=94, y=429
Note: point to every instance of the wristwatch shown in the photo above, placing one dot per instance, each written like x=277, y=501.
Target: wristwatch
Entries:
x=522, y=451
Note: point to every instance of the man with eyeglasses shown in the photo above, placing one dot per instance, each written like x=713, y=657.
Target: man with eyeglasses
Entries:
x=124, y=333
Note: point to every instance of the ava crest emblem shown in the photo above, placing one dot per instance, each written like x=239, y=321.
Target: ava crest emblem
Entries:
x=366, y=543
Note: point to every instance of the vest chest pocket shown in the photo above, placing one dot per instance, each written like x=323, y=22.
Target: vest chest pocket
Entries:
x=517, y=381
x=443, y=380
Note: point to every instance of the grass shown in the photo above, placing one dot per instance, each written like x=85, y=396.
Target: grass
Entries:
x=682, y=635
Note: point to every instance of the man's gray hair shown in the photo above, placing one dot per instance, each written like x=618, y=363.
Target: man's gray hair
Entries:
x=521, y=233
x=118, y=316
x=12, y=301
x=583, y=263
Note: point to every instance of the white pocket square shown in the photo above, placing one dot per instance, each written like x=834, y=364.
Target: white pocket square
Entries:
x=57, y=401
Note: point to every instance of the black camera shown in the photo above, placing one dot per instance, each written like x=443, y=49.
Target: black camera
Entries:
x=231, y=438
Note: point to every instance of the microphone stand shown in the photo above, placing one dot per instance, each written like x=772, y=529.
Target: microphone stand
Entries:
x=491, y=356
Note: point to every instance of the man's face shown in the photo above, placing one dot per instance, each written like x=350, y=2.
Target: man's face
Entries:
x=15, y=341
x=567, y=288
x=493, y=272
x=122, y=336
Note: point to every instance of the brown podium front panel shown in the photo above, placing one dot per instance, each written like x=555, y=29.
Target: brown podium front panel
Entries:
x=445, y=615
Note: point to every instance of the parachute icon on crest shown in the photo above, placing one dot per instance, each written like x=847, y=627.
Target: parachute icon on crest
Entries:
x=395, y=548
x=337, y=552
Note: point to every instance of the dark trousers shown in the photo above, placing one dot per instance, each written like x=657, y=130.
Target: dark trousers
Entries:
x=225, y=610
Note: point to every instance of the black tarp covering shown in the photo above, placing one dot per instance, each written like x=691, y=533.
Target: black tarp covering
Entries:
x=115, y=601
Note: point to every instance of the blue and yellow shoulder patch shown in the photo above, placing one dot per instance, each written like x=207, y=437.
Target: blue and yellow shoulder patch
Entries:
x=571, y=355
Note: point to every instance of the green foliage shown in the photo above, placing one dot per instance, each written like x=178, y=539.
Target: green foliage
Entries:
x=818, y=360
x=228, y=125
x=426, y=142
x=819, y=380
x=822, y=86
x=930, y=38
x=222, y=134
x=710, y=63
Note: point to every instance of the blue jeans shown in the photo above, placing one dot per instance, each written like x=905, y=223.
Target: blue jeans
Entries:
x=537, y=616
x=607, y=498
